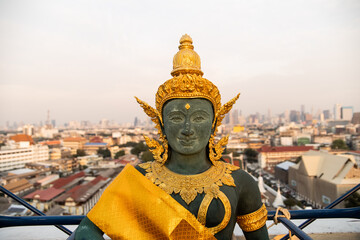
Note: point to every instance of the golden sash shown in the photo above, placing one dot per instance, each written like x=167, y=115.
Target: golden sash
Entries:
x=132, y=207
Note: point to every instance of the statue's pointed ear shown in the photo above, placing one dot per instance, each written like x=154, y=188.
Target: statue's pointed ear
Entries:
x=220, y=114
x=151, y=112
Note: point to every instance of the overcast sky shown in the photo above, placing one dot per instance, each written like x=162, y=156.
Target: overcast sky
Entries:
x=86, y=60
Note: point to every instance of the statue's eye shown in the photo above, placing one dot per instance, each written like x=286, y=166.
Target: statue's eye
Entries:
x=176, y=118
x=198, y=118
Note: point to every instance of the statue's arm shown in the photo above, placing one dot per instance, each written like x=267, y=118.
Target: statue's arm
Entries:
x=87, y=230
x=250, y=201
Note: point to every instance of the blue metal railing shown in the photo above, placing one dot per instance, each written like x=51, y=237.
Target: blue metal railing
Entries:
x=330, y=206
x=311, y=215
x=30, y=207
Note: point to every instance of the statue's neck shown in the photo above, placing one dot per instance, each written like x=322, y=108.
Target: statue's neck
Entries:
x=188, y=164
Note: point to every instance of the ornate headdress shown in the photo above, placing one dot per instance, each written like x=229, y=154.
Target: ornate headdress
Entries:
x=187, y=82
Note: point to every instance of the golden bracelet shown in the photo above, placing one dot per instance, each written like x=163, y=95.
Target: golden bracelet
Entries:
x=253, y=221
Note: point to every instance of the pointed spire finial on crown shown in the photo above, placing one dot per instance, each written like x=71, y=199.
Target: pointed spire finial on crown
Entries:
x=186, y=60
x=186, y=42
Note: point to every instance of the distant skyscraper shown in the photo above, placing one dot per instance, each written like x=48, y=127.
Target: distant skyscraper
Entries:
x=326, y=114
x=347, y=113
x=295, y=116
x=28, y=130
x=356, y=118
x=104, y=123
x=302, y=113
x=287, y=116
x=227, y=119
x=234, y=117
x=337, y=112
x=136, y=122
x=269, y=115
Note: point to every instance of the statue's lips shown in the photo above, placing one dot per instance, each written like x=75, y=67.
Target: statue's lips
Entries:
x=187, y=141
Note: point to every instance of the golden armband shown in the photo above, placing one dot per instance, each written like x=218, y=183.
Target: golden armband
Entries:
x=253, y=221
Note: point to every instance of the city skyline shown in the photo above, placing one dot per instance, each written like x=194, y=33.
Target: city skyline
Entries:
x=315, y=113
x=87, y=60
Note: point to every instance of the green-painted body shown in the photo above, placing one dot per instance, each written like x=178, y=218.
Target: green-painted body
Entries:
x=188, y=127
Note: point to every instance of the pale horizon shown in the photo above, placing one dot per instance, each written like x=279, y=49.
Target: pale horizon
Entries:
x=86, y=60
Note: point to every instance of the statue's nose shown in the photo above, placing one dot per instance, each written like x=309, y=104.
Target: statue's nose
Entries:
x=187, y=131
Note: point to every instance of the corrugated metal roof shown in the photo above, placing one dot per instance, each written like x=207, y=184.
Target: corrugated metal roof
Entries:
x=96, y=144
x=285, y=165
x=332, y=168
x=64, y=181
x=286, y=149
x=45, y=195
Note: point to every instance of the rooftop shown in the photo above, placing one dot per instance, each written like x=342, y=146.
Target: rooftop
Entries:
x=65, y=181
x=285, y=165
x=22, y=138
x=286, y=149
x=21, y=171
x=45, y=195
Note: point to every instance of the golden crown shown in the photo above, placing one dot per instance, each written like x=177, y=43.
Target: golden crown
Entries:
x=187, y=82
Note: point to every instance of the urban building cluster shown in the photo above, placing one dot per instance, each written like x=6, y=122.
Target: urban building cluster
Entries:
x=313, y=158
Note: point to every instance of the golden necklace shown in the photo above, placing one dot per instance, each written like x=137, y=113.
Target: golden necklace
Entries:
x=188, y=186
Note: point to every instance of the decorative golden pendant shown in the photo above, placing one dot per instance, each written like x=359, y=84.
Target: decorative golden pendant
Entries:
x=188, y=186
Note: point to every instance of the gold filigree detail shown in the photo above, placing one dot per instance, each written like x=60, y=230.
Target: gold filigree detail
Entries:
x=204, y=206
x=187, y=106
x=160, y=152
x=188, y=186
x=188, y=86
x=215, y=150
x=253, y=221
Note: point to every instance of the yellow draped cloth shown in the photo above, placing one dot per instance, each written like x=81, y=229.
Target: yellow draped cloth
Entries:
x=132, y=207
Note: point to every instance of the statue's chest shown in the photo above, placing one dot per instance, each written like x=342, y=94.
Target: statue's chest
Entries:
x=215, y=212
x=210, y=196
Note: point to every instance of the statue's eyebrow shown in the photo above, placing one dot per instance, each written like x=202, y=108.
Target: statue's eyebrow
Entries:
x=200, y=111
x=173, y=112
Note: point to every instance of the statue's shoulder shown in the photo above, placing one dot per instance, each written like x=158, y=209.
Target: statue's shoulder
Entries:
x=240, y=176
x=142, y=167
x=248, y=192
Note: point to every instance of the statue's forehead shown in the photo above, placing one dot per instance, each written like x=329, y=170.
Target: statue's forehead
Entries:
x=188, y=104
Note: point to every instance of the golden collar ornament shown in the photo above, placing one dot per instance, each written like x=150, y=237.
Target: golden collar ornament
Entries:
x=189, y=186
x=187, y=82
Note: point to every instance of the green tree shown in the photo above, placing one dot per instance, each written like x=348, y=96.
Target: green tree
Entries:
x=303, y=141
x=289, y=202
x=298, y=159
x=80, y=153
x=339, y=144
x=128, y=144
x=147, y=156
x=139, y=148
x=104, y=152
x=251, y=154
x=119, y=154
x=353, y=200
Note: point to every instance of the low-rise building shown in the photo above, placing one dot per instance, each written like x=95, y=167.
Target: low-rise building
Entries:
x=93, y=147
x=270, y=156
x=20, y=187
x=322, y=177
x=15, y=156
x=80, y=199
x=282, y=171
x=74, y=143
x=68, y=182
x=43, y=199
